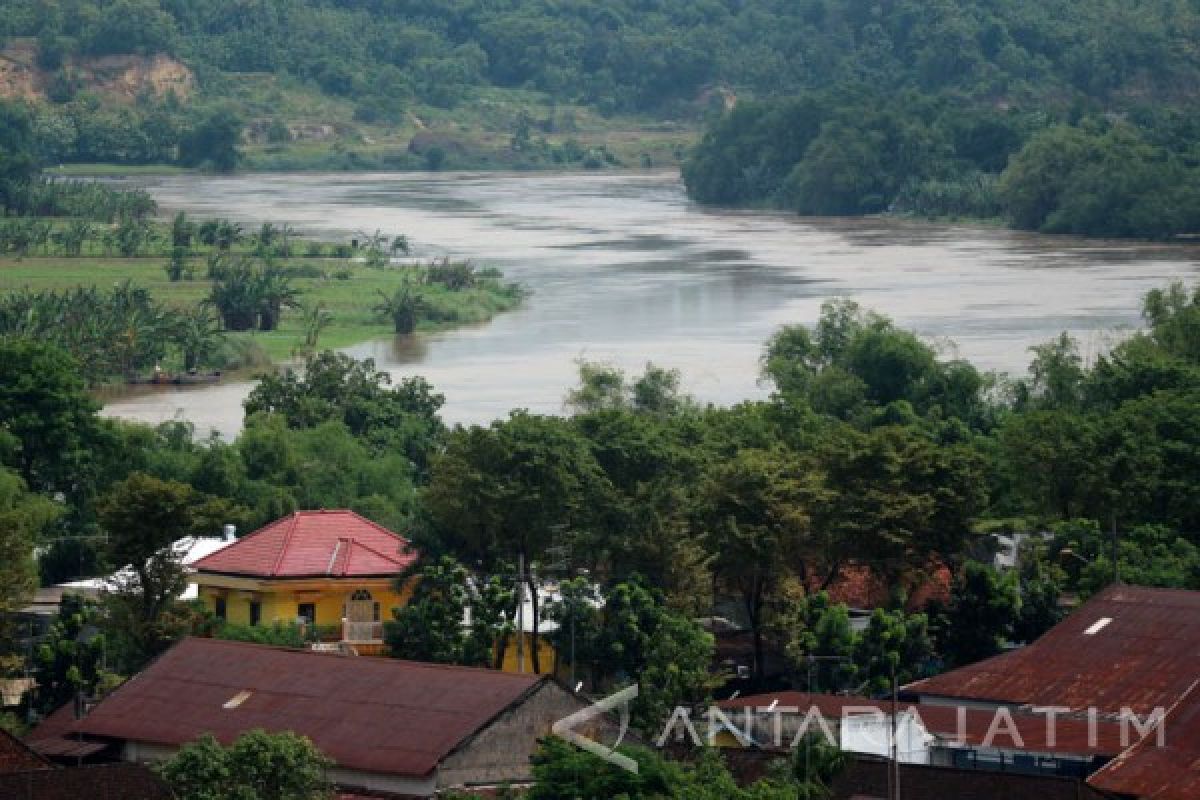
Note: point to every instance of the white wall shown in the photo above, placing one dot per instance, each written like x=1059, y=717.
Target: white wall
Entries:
x=871, y=734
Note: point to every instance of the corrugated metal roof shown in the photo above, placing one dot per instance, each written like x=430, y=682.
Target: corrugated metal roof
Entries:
x=373, y=714
x=338, y=544
x=1071, y=736
x=1146, y=656
x=1151, y=772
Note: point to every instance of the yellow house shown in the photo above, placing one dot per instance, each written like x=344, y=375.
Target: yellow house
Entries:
x=332, y=570
x=546, y=654
x=547, y=657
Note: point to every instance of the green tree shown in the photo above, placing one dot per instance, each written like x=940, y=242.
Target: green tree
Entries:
x=430, y=627
x=894, y=643
x=640, y=640
x=980, y=616
x=335, y=387
x=509, y=491
x=561, y=771
x=17, y=162
x=259, y=765
x=758, y=511
x=47, y=415
x=817, y=639
x=23, y=518
x=404, y=307
x=143, y=516
x=71, y=658
x=213, y=141
x=813, y=766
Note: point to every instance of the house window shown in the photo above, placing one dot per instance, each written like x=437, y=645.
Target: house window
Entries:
x=376, y=613
x=219, y=607
x=307, y=612
x=255, y=612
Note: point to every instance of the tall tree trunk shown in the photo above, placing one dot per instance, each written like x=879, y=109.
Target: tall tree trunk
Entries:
x=534, y=656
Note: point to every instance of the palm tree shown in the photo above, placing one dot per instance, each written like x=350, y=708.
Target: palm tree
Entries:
x=265, y=239
x=404, y=306
x=73, y=237
x=235, y=296
x=197, y=335
x=182, y=231
x=275, y=292
x=227, y=234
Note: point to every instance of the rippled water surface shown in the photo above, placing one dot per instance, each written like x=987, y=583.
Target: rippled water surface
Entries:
x=624, y=269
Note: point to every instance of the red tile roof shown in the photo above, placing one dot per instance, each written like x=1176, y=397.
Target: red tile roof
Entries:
x=338, y=544
x=15, y=755
x=1170, y=772
x=372, y=714
x=859, y=586
x=1127, y=647
x=1071, y=735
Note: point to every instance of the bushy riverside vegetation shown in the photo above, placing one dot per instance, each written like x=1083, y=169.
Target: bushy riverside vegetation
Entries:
x=1133, y=174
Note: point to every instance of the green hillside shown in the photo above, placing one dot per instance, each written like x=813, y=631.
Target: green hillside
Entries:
x=354, y=83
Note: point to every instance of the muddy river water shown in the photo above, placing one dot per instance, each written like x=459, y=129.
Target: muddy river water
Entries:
x=625, y=270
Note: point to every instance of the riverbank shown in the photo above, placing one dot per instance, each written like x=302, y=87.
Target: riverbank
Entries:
x=347, y=291
x=126, y=297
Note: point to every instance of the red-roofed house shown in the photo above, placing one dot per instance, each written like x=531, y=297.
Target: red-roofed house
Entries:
x=331, y=569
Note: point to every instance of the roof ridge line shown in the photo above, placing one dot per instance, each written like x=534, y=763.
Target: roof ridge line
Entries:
x=356, y=543
x=239, y=539
x=283, y=548
x=367, y=660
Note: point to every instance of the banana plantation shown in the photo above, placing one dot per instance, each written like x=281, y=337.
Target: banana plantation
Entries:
x=118, y=333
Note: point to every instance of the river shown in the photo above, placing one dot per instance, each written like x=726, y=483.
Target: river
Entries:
x=625, y=270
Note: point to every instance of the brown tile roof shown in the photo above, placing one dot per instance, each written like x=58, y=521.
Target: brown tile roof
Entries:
x=859, y=586
x=98, y=782
x=1071, y=735
x=16, y=756
x=1127, y=647
x=373, y=714
x=313, y=544
x=1170, y=772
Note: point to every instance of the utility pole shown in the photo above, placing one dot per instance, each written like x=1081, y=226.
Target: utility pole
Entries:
x=574, y=685
x=521, y=612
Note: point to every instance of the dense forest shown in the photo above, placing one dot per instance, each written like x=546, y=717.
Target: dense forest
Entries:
x=1136, y=173
x=644, y=55
x=665, y=59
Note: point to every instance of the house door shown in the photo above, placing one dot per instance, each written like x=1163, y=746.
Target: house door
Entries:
x=362, y=618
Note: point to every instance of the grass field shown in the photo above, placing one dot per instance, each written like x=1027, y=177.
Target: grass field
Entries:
x=348, y=291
